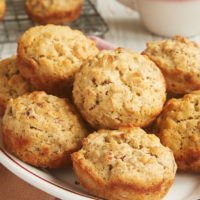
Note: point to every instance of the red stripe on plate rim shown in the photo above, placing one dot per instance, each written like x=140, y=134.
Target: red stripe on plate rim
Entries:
x=51, y=183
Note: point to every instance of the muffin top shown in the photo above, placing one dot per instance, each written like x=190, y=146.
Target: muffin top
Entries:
x=178, y=126
x=53, y=51
x=44, y=121
x=127, y=156
x=48, y=7
x=119, y=88
x=12, y=84
x=179, y=60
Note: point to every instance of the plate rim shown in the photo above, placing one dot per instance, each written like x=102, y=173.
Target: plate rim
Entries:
x=34, y=179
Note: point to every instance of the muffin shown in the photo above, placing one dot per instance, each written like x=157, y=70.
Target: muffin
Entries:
x=53, y=11
x=119, y=88
x=42, y=129
x=179, y=61
x=124, y=164
x=178, y=127
x=12, y=84
x=2, y=9
x=49, y=56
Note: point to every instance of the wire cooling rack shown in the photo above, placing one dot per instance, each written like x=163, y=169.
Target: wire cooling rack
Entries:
x=16, y=21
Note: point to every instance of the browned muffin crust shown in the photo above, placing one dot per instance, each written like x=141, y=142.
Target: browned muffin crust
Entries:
x=49, y=56
x=179, y=61
x=2, y=9
x=124, y=164
x=42, y=130
x=119, y=88
x=12, y=84
x=178, y=127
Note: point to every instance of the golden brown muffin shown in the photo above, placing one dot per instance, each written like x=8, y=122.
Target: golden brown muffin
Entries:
x=12, y=84
x=49, y=56
x=42, y=129
x=178, y=127
x=2, y=9
x=179, y=61
x=119, y=88
x=53, y=11
x=125, y=164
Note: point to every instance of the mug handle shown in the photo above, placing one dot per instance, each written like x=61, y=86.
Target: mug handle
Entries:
x=129, y=3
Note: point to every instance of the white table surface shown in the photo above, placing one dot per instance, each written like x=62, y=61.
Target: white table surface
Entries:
x=126, y=29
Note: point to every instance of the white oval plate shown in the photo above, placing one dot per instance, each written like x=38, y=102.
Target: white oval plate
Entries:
x=62, y=183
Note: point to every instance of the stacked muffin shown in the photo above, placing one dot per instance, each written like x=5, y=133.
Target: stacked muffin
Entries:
x=118, y=93
x=40, y=128
x=178, y=124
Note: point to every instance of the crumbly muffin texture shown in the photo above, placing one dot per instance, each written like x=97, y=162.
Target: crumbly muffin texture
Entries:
x=53, y=11
x=49, y=56
x=12, y=84
x=179, y=61
x=119, y=88
x=42, y=129
x=2, y=9
x=124, y=164
x=178, y=128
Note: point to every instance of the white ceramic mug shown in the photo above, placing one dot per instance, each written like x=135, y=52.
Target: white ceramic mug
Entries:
x=168, y=17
